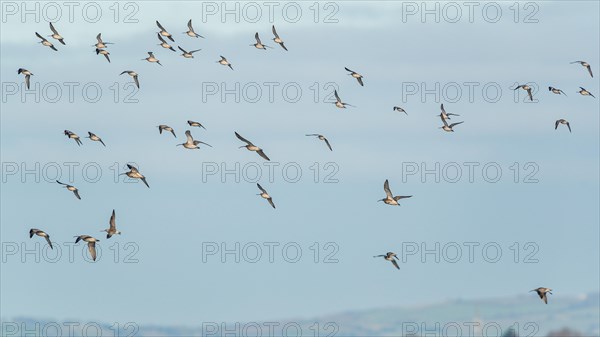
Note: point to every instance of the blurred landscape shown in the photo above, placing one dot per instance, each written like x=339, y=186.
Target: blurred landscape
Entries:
x=516, y=316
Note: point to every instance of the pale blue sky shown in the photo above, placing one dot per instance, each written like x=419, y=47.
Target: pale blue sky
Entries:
x=170, y=220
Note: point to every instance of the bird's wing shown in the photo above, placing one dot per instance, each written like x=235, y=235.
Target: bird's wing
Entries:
x=453, y=124
x=271, y=202
x=386, y=188
x=589, y=68
x=27, y=78
x=569, y=126
x=189, y=137
x=99, y=37
x=160, y=38
x=92, y=249
x=132, y=168
x=257, y=38
x=395, y=264
x=337, y=97
x=48, y=240
x=275, y=32
x=442, y=107
x=443, y=120
x=190, y=25
x=328, y=145
x=160, y=26
x=145, y=182
x=283, y=46
x=360, y=81
x=182, y=49
x=196, y=142
x=31, y=232
x=260, y=188
x=112, y=220
x=243, y=139
x=398, y=197
x=76, y=192
x=262, y=154
x=530, y=95
x=348, y=70
x=52, y=28
x=60, y=182
x=556, y=124
x=38, y=35
x=137, y=82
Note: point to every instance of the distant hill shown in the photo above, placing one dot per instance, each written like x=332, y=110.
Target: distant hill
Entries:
x=527, y=315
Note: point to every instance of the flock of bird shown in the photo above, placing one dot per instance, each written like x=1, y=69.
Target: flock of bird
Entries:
x=191, y=143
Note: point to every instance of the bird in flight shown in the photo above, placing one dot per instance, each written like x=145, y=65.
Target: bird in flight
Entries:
x=259, y=44
x=390, y=199
x=95, y=138
x=223, y=61
x=446, y=127
x=263, y=193
x=55, y=35
x=526, y=88
x=188, y=54
x=134, y=75
x=191, y=31
x=190, y=143
x=164, y=32
x=338, y=102
x=152, y=59
x=541, y=291
x=444, y=114
x=321, y=137
x=356, y=75
x=35, y=231
x=392, y=257
x=27, y=74
x=74, y=136
x=586, y=65
x=101, y=44
x=91, y=244
x=562, y=121
x=584, y=92
x=71, y=188
x=103, y=52
x=277, y=39
x=195, y=124
x=556, y=91
x=166, y=128
x=135, y=174
x=46, y=42
x=164, y=43
x=251, y=147
x=399, y=109
x=112, y=230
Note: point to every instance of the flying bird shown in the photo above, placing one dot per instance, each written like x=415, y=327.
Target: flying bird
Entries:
x=112, y=230
x=164, y=32
x=103, y=52
x=135, y=174
x=74, y=136
x=251, y=147
x=223, y=61
x=277, y=39
x=45, y=42
x=356, y=75
x=444, y=114
x=188, y=54
x=35, y=231
x=584, y=92
x=152, y=59
x=562, y=121
x=263, y=193
x=259, y=44
x=526, y=88
x=321, y=137
x=91, y=244
x=101, y=44
x=164, y=43
x=55, y=35
x=586, y=65
x=134, y=75
x=166, y=128
x=27, y=74
x=542, y=293
x=195, y=124
x=389, y=256
x=71, y=188
x=95, y=138
x=399, y=109
x=338, y=102
x=446, y=127
x=390, y=199
x=556, y=91
x=191, y=31
x=190, y=143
